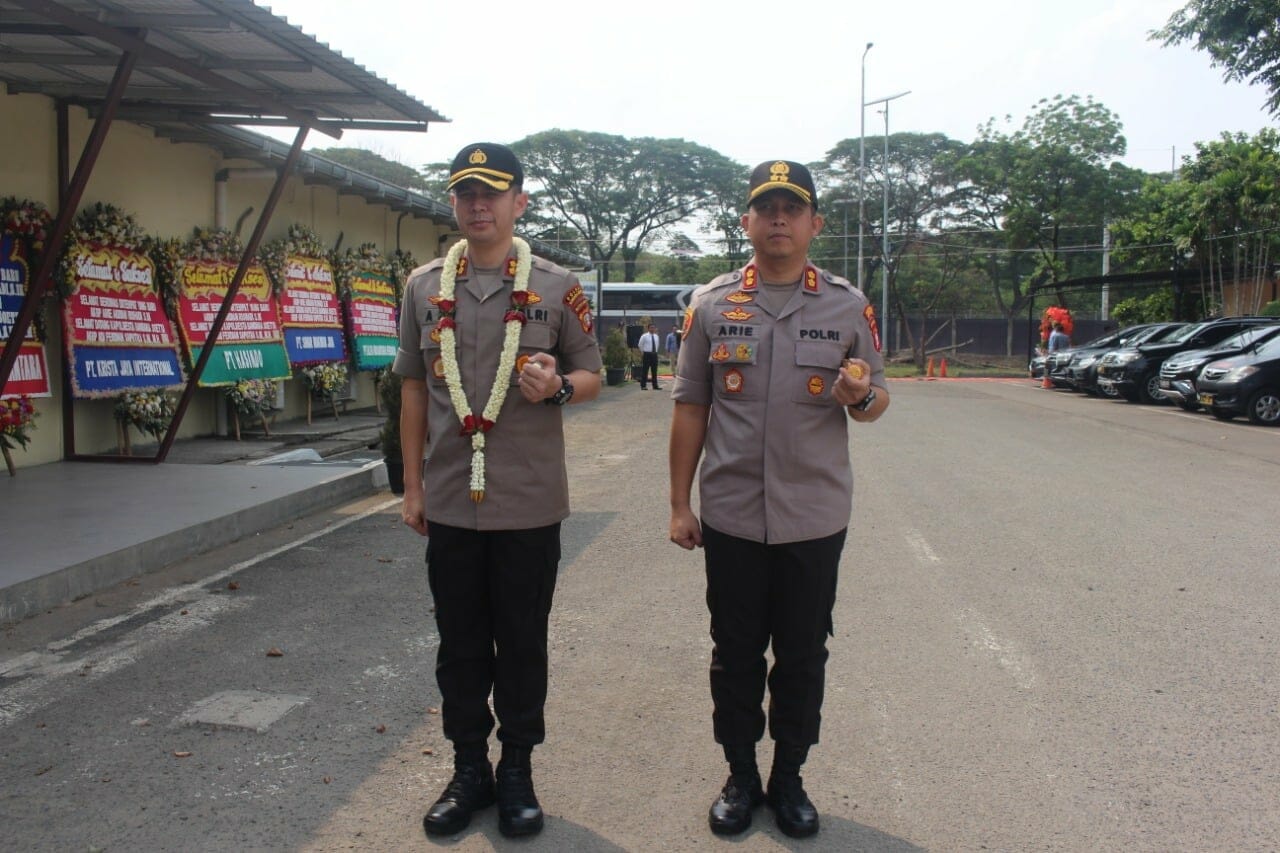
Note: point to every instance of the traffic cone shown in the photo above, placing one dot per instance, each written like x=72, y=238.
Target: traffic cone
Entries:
x=929, y=370
x=1046, y=382
x=942, y=371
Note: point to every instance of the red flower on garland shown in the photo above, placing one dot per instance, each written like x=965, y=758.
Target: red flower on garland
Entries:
x=472, y=424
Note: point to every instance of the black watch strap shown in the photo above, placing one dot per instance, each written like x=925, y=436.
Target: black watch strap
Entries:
x=562, y=396
x=865, y=403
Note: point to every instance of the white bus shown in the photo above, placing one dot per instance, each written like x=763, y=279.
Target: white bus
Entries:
x=628, y=303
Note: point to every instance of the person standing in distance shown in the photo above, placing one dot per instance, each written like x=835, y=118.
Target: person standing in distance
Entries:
x=777, y=358
x=493, y=343
x=672, y=345
x=649, y=356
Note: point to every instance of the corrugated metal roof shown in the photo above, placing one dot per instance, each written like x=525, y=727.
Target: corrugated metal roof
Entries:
x=200, y=61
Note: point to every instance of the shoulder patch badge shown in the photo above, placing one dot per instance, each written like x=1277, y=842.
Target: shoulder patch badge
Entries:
x=869, y=314
x=688, y=321
x=578, y=304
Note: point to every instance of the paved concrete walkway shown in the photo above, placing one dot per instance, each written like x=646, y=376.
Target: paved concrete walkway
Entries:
x=73, y=528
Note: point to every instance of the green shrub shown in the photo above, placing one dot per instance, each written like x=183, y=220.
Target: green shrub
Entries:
x=615, y=350
x=389, y=392
x=1271, y=309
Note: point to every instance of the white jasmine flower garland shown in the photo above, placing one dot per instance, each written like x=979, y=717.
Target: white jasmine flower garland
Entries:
x=514, y=320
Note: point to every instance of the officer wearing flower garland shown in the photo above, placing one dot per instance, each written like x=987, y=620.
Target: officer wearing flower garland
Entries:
x=777, y=357
x=493, y=342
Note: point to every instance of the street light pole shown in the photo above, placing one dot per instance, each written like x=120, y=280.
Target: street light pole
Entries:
x=862, y=159
x=884, y=222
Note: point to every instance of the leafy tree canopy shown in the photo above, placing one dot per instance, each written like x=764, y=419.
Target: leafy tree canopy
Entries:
x=1241, y=36
x=619, y=194
x=375, y=164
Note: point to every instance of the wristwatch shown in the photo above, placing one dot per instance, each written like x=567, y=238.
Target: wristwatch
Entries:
x=562, y=396
x=865, y=403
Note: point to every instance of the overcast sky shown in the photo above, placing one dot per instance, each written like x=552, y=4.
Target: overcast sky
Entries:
x=762, y=80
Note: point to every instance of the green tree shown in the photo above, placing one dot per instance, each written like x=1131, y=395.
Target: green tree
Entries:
x=375, y=164
x=1047, y=189
x=1241, y=36
x=618, y=194
x=924, y=189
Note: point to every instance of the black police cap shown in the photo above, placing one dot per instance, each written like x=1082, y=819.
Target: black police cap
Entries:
x=493, y=164
x=783, y=175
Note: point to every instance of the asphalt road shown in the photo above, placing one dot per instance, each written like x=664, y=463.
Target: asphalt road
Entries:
x=1055, y=631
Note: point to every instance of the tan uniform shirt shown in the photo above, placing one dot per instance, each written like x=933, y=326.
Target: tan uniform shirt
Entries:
x=526, y=484
x=776, y=464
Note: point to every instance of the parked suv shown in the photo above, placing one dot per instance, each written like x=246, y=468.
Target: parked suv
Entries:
x=1134, y=372
x=1246, y=384
x=1178, y=373
x=1081, y=372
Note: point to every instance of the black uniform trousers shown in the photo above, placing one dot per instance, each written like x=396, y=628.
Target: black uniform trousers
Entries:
x=756, y=593
x=649, y=367
x=492, y=592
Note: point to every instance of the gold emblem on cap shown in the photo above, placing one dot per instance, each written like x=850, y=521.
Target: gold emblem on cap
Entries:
x=780, y=171
x=478, y=158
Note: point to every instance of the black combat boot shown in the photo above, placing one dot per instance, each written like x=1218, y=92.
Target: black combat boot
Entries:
x=794, y=812
x=470, y=790
x=518, y=809
x=731, y=812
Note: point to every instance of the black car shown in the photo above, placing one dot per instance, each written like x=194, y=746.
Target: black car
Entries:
x=1178, y=373
x=1081, y=371
x=1134, y=372
x=1245, y=384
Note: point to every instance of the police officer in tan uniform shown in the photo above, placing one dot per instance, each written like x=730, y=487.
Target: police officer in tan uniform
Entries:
x=490, y=323
x=777, y=358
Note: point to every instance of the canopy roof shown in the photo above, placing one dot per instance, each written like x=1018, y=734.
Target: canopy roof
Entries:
x=200, y=62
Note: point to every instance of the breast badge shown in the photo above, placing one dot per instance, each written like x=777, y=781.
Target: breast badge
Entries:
x=520, y=363
x=742, y=352
x=733, y=381
x=435, y=335
x=720, y=353
x=737, y=315
x=437, y=367
x=816, y=385
x=739, y=297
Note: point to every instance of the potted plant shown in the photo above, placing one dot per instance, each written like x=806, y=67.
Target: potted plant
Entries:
x=616, y=357
x=389, y=435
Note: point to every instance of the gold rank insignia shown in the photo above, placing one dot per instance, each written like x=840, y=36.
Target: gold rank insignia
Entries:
x=435, y=300
x=462, y=266
x=437, y=367
x=811, y=280
x=739, y=297
x=749, y=277
x=737, y=315
x=733, y=381
x=720, y=353
x=742, y=352
x=816, y=385
x=533, y=298
x=511, y=267
x=478, y=158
